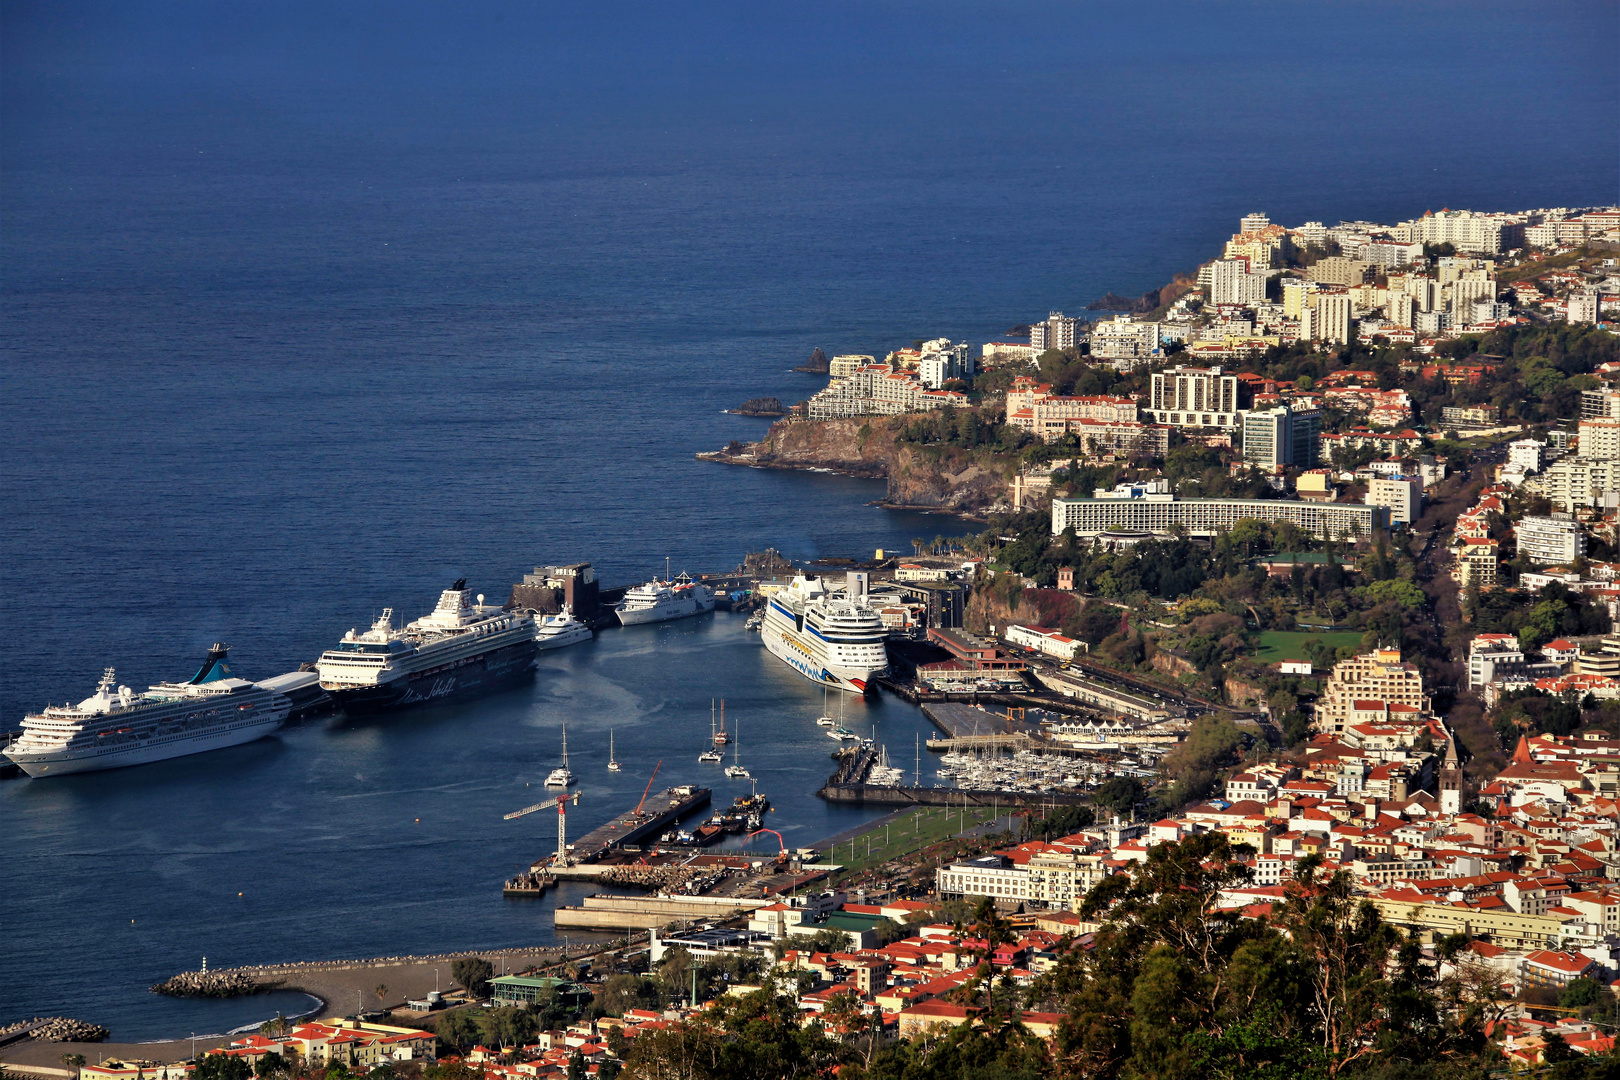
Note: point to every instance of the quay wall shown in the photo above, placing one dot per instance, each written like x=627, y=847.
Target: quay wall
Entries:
x=933, y=796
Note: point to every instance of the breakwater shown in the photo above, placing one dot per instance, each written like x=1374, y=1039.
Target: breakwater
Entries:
x=53, y=1029
x=220, y=984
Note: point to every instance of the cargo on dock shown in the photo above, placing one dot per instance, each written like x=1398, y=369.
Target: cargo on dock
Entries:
x=650, y=817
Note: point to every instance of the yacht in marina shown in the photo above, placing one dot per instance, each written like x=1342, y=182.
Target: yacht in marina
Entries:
x=735, y=770
x=562, y=776
x=116, y=726
x=831, y=637
x=560, y=630
x=660, y=601
x=459, y=650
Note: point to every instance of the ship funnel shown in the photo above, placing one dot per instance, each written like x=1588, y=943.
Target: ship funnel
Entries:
x=856, y=584
x=214, y=666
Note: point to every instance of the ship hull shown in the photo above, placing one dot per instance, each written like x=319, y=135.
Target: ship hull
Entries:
x=43, y=765
x=466, y=678
x=674, y=609
x=782, y=646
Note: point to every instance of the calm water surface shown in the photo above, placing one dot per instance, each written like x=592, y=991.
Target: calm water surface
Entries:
x=308, y=310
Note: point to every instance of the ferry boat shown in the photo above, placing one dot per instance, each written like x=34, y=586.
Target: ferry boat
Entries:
x=115, y=726
x=831, y=638
x=460, y=650
x=560, y=630
x=660, y=601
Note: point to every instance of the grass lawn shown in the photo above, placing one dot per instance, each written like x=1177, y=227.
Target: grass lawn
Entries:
x=1287, y=645
x=913, y=832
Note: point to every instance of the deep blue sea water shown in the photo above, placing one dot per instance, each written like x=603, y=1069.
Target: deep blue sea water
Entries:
x=309, y=309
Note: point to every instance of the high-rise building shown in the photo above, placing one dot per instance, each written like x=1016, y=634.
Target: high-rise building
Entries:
x=1268, y=438
x=1463, y=296
x=1556, y=539
x=1059, y=331
x=1196, y=397
x=1402, y=495
x=1253, y=223
x=1600, y=440
x=1329, y=320
x=1307, y=425
x=1399, y=308
x=1231, y=282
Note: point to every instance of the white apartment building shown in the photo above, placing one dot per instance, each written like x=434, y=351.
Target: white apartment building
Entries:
x=842, y=367
x=1577, y=481
x=1045, y=639
x=1583, y=307
x=1231, y=282
x=1493, y=657
x=1464, y=295
x=1462, y=229
x=1555, y=539
x=1525, y=455
x=1195, y=397
x=1600, y=440
x=1398, y=307
x=1059, y=331
x=1329, y=320
x=1162, y=514
x=1124, y=339
x=1376, y=676
x=1401, y=495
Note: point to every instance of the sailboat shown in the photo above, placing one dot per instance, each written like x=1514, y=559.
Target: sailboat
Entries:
x=714, y=753
x=613, y=762
x=840, y=733
x=735, y=769
x=720, y=737
x=824, y=720
x=562, y=776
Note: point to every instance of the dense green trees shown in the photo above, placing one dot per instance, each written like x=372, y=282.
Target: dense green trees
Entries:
x=473, y=974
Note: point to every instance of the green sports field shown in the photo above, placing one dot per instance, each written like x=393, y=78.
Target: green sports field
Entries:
x=1287, y=645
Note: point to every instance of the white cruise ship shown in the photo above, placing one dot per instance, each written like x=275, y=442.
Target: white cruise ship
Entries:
x=559, y=630
x=659, y=601
x=459, y=650
x=117, y=727
x=831, y=638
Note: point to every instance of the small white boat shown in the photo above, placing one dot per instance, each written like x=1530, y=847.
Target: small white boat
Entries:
x=824, y=720
x=613, y=762
x=711, y=755
x=561, y=776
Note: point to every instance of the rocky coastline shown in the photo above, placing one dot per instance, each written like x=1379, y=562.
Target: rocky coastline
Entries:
x=922, y=478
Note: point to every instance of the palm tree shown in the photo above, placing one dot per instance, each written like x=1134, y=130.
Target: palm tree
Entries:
x=73, y=1061
x=381, y=991
x=917, y=544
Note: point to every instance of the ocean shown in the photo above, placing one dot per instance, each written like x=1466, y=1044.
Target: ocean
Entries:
x=308, y=310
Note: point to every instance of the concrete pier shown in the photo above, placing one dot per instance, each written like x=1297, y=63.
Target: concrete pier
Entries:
x=612, y=912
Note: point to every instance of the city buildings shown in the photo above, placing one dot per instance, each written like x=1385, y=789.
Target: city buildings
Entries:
x=1163, y=514
x=1462, y=229
x=1124, y=342
x=1329, y=320
x=1477, y=559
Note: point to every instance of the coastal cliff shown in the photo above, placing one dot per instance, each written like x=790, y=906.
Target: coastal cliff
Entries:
x=922, y=477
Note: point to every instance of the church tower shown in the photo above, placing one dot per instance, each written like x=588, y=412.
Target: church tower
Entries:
x=1451, y=780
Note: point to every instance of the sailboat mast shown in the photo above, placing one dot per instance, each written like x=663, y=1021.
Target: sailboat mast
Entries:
x=565, y=744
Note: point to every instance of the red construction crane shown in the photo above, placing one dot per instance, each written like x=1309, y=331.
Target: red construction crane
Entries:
x=774, y=833
x=650, y=779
